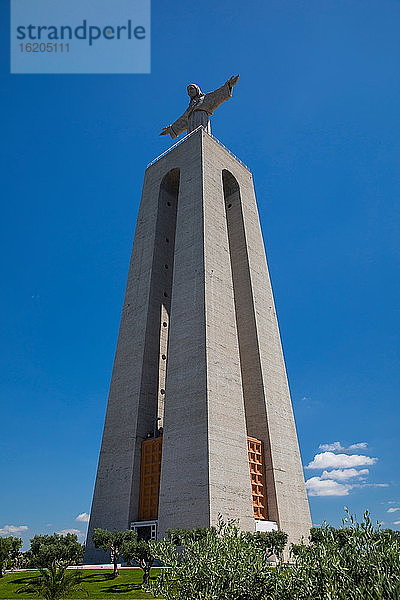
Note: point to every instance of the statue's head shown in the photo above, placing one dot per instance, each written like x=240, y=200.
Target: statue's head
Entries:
x=193, y=90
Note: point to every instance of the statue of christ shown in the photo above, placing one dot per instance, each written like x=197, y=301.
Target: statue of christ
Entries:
x=201, y=107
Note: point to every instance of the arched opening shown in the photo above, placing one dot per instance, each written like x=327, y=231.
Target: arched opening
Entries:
x=153, y=385
x=250, y=366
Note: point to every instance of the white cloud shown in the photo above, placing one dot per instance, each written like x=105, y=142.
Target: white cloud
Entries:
x=12, y=529
x=375, y=485
x=83, y=517
x=358, y=446
x=75, y=531
x=326, y=487
x=396, y=522
x=331, y=447
x=334, y=446
x=344, y=474
x=326, y=460
x=392, y=510
x=372, y=485
x=316, y=486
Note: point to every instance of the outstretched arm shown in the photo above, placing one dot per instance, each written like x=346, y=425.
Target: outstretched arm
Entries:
x=233, y=80
x=214, y=99
x=166, y=130
x=177, y=127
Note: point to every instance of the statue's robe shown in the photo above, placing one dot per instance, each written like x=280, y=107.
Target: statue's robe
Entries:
x=204, y=105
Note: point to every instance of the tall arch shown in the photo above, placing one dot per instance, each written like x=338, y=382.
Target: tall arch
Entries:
x=249, y=352
x=155, y=361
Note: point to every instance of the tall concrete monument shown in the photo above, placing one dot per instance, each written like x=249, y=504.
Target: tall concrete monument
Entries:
x=199, y=419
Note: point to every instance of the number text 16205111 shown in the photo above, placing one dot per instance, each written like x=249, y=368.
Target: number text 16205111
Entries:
x=44, y=47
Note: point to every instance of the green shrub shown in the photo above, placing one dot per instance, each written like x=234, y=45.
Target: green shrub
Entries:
x=219, y=563
x=359, y=561
x=54, y=583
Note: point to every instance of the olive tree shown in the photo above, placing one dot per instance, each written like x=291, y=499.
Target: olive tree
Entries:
x=143, y=553
x=9, y=552
x=56, y=549
x=113, y=542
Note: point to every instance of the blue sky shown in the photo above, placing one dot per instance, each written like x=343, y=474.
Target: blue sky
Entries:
x=315, y=116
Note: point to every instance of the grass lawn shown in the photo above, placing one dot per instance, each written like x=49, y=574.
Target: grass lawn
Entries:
x=98, y=584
